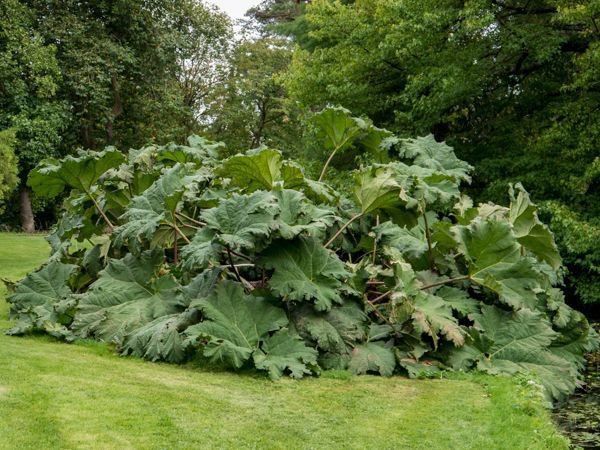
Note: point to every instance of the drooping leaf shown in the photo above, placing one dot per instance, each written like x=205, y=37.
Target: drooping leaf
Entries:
x=333, y=331
x=128, y=295
x=242, y=220
x=44, y=301
x=202, y=251
x=51, y=177
x=235, y=323
x=529, y=230
x=493, y=256
x=284, y=351
x=161, y=339
x=372, y=357
x=504, y=342
x=459, y=300
x=433, y=316
x=305, y=271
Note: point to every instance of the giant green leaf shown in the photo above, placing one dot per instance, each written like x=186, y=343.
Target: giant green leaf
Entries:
x=333, y=331
x=202, y=251
x=44, y=301
x=519, y=341
x=299, y=216
x=129, y=294
x=253, y=172
x=410, y=242
x=494, y=261
x=235, y=323
x=51, y=177
x=373, y=357
x=427, y=152
x=428, y=313
x=156, y=206
x=199, y=150
x=305, y=271
x=338, y=127
x=422, y=185
x=433, y=316
x=243, y=220
x=529, y=230
x=285, y=351
x=376, y=188
x=161, y=339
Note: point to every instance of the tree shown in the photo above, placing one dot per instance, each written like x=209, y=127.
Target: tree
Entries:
x=87, y=74
x=8, y=168
x=250, y=107
x=29, y=102
x=512, y=84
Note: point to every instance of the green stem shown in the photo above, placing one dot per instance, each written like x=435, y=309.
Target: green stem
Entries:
x=331, y=157
x=375, y=241
x=341, y=230
x=179, y=232
x=104, y=216
x=441, y=283
x=197, y=222
x=428, y=237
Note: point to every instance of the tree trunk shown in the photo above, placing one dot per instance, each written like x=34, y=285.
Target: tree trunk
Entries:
x=27, y=223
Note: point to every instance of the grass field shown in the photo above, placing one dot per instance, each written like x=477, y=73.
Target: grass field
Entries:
x=55, y=395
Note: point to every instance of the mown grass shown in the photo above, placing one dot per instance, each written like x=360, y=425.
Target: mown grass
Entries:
x=55, y=395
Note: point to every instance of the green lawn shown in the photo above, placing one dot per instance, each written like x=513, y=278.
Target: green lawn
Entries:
x=55, y=395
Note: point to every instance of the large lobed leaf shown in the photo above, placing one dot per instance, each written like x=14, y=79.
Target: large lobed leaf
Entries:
x=51, y=177
x=519, y=341
x=128, y=295
x=529, y=230
x=44, y=301
x=241, y=221
x=305, y=271
x=494, y=260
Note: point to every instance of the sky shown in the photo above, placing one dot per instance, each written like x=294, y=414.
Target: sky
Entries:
x=235, y=8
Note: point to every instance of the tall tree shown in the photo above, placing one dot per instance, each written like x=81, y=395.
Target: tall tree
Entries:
x=29, y=104
x=512, y=84
x=250, y=108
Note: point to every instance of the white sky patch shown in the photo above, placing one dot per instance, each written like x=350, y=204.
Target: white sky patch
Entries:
x=235, y=8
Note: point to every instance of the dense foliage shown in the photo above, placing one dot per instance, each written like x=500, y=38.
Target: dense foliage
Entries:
x=90, y=74
x=511, y=84
x=8, y=168
x=172, y=253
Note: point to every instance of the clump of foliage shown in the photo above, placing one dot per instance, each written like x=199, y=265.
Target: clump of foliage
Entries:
x=579, y=242
x=8, y=169
x=171, y=254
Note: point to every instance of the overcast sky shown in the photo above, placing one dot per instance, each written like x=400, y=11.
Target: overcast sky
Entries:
x=235, y=8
